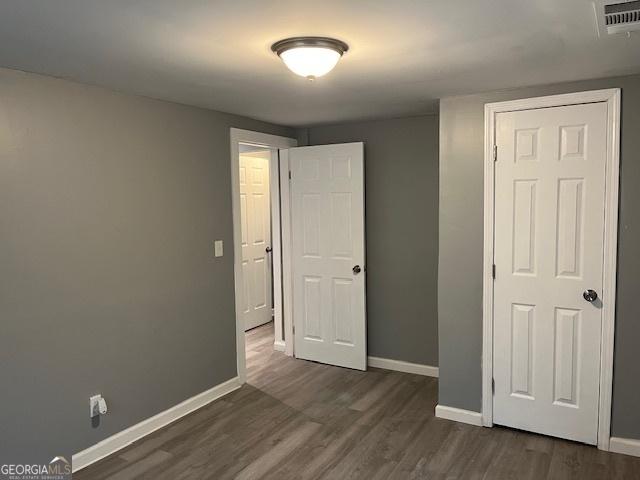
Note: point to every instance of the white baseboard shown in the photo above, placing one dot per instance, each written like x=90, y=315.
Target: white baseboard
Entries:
x=400, y=366
x=459, y=415
x=627, y=446
x=126, y=437
x=278, y=346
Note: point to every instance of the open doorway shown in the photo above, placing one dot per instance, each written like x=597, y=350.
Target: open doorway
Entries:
x=256, y=214
x=316, y=260
x=255, y=170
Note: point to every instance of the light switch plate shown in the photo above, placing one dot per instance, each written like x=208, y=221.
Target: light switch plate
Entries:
x=218, y=248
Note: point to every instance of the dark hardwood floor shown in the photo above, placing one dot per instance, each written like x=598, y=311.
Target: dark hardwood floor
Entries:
x=302, y=420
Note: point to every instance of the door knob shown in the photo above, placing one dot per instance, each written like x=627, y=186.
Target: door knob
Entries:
x=268, y=249
x=590, y=295
x=356, y=269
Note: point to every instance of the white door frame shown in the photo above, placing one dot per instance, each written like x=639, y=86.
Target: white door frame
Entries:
x=287, y=267
x=273, y=142
x=612, y=98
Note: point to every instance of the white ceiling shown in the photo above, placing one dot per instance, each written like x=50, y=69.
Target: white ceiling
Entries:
x=404, y=53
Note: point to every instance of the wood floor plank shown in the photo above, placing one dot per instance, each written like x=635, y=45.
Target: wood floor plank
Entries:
x=176, y=431
x=430, y=437
x=307, y=421
x=260, y=467
x=138, y=468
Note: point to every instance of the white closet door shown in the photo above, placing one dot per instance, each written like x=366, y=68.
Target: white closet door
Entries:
x=328, y=253
x=256, y=239
x=549, y=230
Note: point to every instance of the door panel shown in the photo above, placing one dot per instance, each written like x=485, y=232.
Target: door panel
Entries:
x=522, y=318
x=312, y=308
x=566, y=355
x=569, y=227
x=524, y=227
x=342, y=312
x=327, y=214
x=256, y=237
x=549, y=230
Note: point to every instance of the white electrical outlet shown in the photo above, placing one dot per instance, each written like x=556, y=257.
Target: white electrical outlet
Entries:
x=218, y=248
x=97, y=406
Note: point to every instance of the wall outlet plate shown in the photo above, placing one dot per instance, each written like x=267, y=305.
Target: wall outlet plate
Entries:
x=94, y=405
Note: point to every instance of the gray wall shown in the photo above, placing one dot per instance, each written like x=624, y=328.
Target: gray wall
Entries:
x=401, y=190
x=109, y=206
x=460, y=256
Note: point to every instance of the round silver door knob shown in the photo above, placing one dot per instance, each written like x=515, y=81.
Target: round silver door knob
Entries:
x=590, y=295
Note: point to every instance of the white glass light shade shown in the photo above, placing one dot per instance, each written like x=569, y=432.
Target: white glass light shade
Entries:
x=310, y=57
x=310, y=62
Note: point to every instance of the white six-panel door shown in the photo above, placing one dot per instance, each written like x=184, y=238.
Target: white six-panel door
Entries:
x=549, y=230
x=328, y=253
x=255, y=216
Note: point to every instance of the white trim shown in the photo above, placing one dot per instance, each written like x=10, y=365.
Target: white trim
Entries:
x=612, y=98
x=459, y=415
x=254, y=138
x=626, y=446
x=126, y=437
x=400, y=366
x=276, y=245
x=287, y=278
x=278, y=346
x=610, y=269
x=487, y=271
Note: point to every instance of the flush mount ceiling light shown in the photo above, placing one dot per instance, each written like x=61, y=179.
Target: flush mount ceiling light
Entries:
x=310, y=57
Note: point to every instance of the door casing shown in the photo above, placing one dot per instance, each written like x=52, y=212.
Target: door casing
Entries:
x=612, y=98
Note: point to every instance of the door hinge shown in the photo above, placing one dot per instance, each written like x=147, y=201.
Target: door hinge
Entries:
x=495, y=153
x=493, y=271
x=289, y=174
x=493, y=386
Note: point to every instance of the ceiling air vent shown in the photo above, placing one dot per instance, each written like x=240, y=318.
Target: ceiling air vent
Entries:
x=617, y=16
